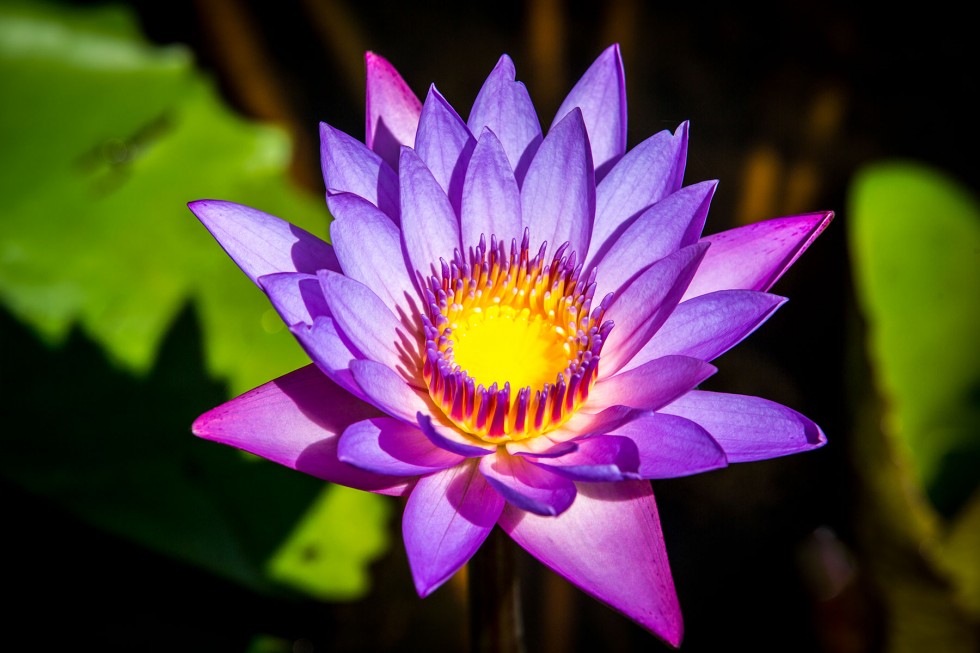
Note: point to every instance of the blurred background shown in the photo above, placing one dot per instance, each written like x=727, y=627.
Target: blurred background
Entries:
x=121, y=321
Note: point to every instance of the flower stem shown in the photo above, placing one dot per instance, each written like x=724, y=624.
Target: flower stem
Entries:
x=495, y=605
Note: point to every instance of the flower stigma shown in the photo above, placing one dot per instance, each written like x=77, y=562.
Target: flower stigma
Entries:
x=512, y=343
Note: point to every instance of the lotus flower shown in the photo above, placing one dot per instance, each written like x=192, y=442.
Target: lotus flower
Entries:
x=509, y=329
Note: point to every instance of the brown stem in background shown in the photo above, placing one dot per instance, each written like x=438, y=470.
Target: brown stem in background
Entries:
x=495, y=607
x=239, y=50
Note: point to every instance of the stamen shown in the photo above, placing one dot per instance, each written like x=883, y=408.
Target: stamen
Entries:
x=512, y=342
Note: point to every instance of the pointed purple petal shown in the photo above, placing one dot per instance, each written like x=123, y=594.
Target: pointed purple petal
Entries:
x=753, y=257
x=491, y=199
x=391, y=109
x=749, y=428
x=369, y=248
x=350, y=167
x=609, y=543
x=597, y=458
x=295, y=421
x=389, y=446
x=450, y=439
x=526, y=486
x=707, y=326
x=504, y=107
x=430, y=228
x=645, y=304
x=651, y=385
x=648, y=173
x=388, y=391
x=601, y=95
x=261, y=243
x=296, y=296
x=558, y=196
x=667, y=226
x=671, y=446
x=445, y=144
x=330, y=352
x=365, y=321
x=448, y=516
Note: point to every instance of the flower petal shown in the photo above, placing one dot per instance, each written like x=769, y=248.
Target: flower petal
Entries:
x=651, y=385
x=296, y=296
x=391, y=109
x=373, y=329
x=450, y=439
x=753, y=257
x=648, y=173
x=707, y=326
x=491, y=199
x=558, y=196
x=389, y=446
x=609, y=543
x=448, y=516
x=601, y=95
x=504, y=107
x=296, y=421
x=602, y=458
x=671, y=446
x=261, y=243
x=330, y=351
x=430, y=228
x=369, y=248
x=748, y=428
x=645, y=304
x=445, y=144
x=350, y=167
x=388, y=391
x=526, y=486
x=672, y=223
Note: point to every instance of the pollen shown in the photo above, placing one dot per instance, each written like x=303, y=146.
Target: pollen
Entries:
x=512, y=343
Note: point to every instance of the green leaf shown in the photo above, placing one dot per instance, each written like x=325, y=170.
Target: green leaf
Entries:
x=915, y=244
x=105, y=140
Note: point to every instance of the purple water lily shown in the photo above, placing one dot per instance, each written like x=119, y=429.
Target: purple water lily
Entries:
x=509, y=329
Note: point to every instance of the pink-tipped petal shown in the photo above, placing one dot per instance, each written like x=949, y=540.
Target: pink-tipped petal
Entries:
x=707, y=326
x=445, y=144
x=389, y=446
x=558, y=196
x=671, y=446
x=753, y=257
x=647, y=174
x=365, y=321
x=391, y=109
x=296, y=296
x=350, y=167
x=260, y=243
x=389, y=391
x=667, y=226
x=609, y=543
x=601, y=95
x=748, y=428
x=491, y=199
x=599, y=458
x=448, y=516
x=640, y=309
x=430, y=228
x=651, y=385
x=504, y=107
x=296, y=421
x=527, y=486
x=380, y=266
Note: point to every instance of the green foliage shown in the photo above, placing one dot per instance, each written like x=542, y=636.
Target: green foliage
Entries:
x=105, y=139
x=915, y=247
x=915, y=238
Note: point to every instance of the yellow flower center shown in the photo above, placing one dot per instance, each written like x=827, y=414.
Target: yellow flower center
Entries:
x=511, y=348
